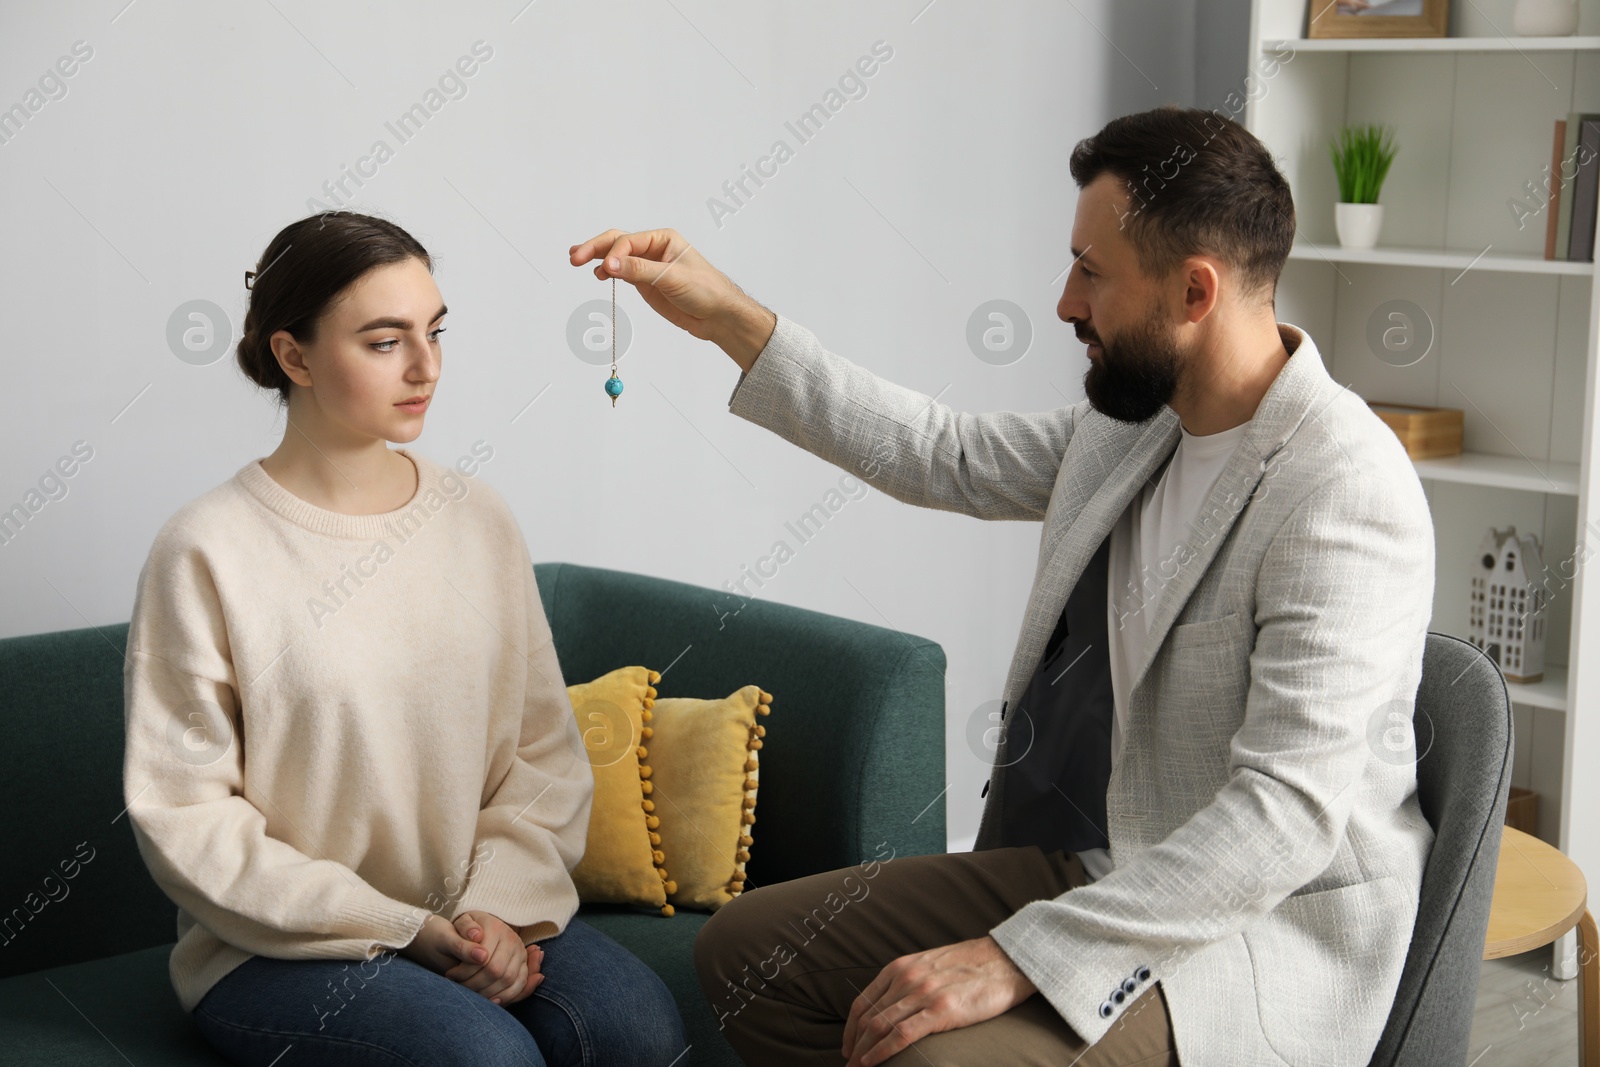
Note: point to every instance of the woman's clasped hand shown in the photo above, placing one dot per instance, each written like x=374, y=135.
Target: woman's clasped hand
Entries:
x=481, y=952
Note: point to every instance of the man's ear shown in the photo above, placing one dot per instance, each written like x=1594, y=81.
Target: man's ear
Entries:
x=1202, y=284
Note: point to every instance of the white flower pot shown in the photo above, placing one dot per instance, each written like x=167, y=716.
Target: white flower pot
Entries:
x=1358, y=224
x=1545, y=18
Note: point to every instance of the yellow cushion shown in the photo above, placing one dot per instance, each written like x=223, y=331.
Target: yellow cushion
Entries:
x=705, y=765
x=623, y=862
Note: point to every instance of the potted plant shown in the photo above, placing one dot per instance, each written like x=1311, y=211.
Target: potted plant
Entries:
x=1361, y=158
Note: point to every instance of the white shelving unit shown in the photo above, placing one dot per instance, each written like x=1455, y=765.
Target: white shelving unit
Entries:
x=1433, y=257
x=1502, y=472
x=1494, y=41
x=1516, y=336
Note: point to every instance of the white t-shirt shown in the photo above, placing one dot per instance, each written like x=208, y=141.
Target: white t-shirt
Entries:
x=1144, y=544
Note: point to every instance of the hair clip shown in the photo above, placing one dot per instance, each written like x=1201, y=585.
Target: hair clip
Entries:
x=249, y=279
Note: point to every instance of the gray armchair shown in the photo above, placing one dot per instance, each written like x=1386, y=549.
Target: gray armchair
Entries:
x=1463, y=736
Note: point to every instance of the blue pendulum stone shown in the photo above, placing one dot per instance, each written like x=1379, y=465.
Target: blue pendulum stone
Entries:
x=613, y=389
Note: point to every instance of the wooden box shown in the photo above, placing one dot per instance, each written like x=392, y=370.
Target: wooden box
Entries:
x=1522, y=810
x=1426, y=432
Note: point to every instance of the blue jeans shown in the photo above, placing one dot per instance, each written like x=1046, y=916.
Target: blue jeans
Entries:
x=598, y=1006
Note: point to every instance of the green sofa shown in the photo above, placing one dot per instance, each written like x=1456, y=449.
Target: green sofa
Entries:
x=854, y=756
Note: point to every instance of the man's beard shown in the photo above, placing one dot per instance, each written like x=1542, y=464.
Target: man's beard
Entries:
x=1136, y=373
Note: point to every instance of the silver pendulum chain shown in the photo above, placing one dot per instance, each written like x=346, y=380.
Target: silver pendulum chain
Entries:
x=613, y=384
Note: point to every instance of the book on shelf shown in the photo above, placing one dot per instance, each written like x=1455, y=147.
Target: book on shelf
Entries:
x=1552, y=207
x=1573, y=203
x=1584, y=192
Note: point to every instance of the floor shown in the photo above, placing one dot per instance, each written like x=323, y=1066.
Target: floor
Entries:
x=1524, y=1018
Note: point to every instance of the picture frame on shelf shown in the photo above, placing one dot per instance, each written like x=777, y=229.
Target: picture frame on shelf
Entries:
x=1377, y=18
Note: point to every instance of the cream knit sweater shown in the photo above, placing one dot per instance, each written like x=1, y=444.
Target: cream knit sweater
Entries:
x=339, y=723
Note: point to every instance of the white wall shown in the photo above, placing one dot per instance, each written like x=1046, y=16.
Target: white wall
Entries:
x=196, y=130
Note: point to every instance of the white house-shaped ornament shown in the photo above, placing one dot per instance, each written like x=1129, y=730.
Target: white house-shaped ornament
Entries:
x=1507, y=616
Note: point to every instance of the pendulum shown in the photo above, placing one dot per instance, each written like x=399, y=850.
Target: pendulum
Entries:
x=613, y=383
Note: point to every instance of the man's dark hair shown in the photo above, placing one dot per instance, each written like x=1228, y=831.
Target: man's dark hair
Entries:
x=1199, y=183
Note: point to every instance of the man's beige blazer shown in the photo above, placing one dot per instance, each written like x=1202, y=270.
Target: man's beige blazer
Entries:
x=1262, y=813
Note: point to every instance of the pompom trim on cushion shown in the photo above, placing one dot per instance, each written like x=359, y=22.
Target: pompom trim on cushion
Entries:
x=652, y=822
x=752, y=779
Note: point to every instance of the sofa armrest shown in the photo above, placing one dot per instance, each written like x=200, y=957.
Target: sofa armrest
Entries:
x=73, y=886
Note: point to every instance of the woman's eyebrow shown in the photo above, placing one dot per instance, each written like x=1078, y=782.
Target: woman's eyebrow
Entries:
x=391, y=323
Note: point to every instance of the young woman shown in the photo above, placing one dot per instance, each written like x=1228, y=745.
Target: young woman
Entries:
x=351, y=760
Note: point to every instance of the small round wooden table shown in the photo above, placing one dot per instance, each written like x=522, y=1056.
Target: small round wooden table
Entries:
x=1539, y=894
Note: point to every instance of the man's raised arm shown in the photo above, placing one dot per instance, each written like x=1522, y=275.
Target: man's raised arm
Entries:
x=999, y=465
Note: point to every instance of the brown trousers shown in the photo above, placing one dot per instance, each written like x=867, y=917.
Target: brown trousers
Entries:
x=781, y=964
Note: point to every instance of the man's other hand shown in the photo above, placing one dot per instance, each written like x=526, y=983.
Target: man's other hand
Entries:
x=929, y=992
